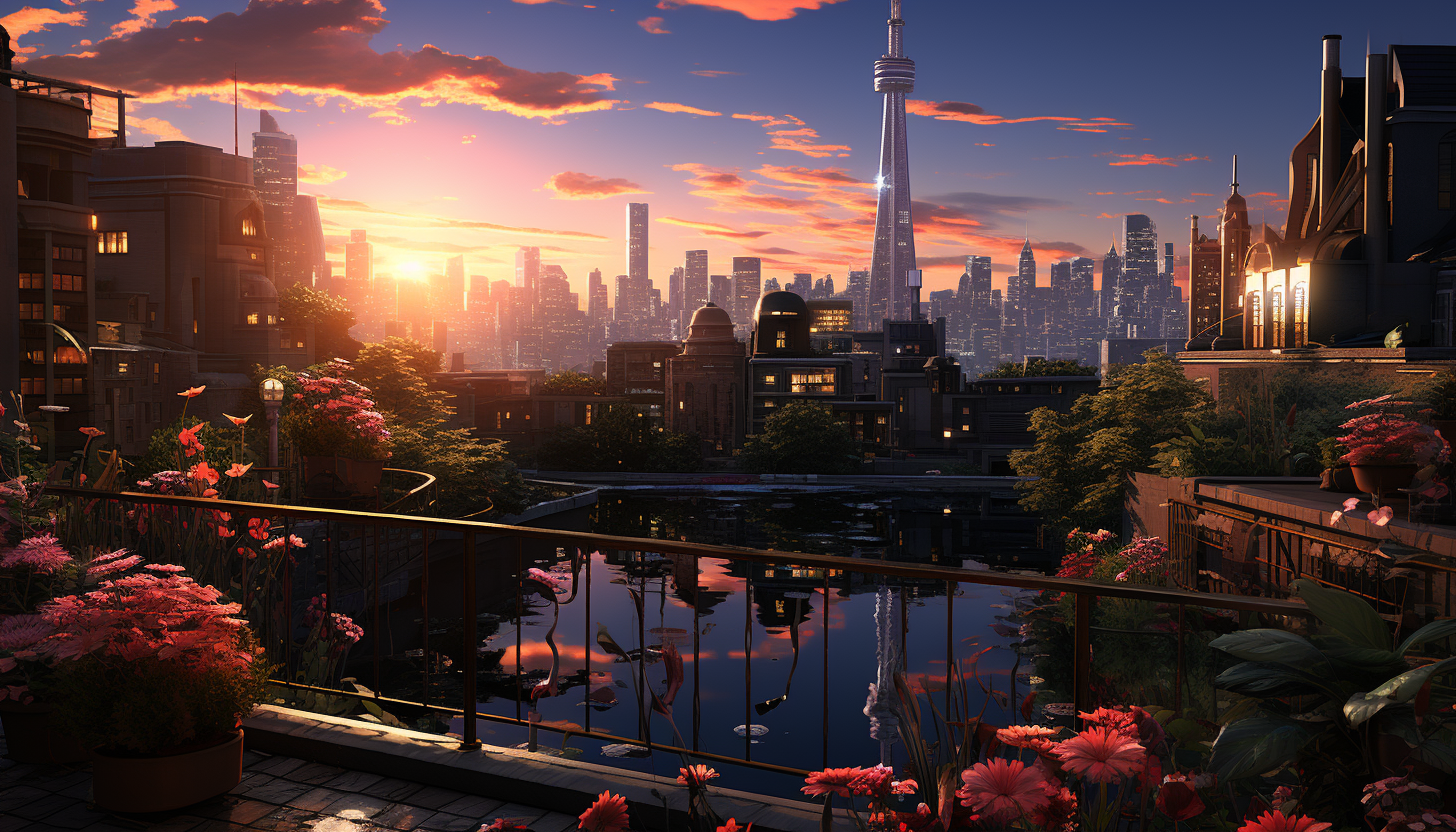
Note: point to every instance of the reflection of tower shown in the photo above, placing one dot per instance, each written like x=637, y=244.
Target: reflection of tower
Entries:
x=894, y=250
x=884, y=726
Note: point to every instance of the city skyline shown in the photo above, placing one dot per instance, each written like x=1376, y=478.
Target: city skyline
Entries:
x=715, y=182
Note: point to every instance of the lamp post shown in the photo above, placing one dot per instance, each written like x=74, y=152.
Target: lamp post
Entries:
x=271, y=392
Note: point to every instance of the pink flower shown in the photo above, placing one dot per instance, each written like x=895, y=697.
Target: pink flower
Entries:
x=1178, y=799
x=258, y=528
x=293, y=540
x=831, y=781
x=42, y=553
x=540, y=576
x=1003, y=789
x=1351, y=504
x=93, y=432
x=18, y=632
x=238, y=420
x=1280, y=822
x=165, y=567
x=1102, y=754
x=732, y=826
x=1036, y=737
x=506, y=825
x=607, y=814
x=188, y=437
x=873, y=782
x=270, y=485
x=906, y=786
x=192, y=392
x=1381, y=516
x=237, y=470
x=695, y=775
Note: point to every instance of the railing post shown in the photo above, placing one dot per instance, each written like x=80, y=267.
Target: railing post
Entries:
x=1082, y=654
x=467, y=593
x=1178, y=672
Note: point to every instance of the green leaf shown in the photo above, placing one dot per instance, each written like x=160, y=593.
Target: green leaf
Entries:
x=1431, y=632
x=1255, y=745
x=1349, y=660
x=1398, y=689
x=1427, y=749
x=1263, y=644
x=1273, y=679
x=1347, y=614
x=1197, y=434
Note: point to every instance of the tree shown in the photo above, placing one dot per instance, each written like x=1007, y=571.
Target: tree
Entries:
x=330, y=316
x=398, y=372
x=619, y=439
x=1037, y=367
x=570, y=383
x=1082, y=458
x=803, y=437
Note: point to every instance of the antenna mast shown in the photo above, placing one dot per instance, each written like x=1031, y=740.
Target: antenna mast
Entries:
x=235, y=110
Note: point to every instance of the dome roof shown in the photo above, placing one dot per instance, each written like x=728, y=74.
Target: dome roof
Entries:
x=781, y=303
x=710, y=315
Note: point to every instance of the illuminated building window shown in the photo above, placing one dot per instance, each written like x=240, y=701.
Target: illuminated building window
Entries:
x=68, y=253
x=882, y=420
x=156, y=372
x=68, y=283
x=252, y=319
x=1301, y=314
x=111, y=242
x=1276, y=318
x=770, y=379
x=67, y=354
x=781, y=339
x=250, y=227
x=32, y=280
x=812, y=381
x=123, y=368
x=272, y=319
x=1254, y=312
x=905, y=217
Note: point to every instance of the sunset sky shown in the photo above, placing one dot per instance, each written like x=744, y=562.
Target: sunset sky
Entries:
x=749, y=126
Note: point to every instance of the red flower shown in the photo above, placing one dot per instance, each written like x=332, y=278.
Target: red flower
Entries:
x=1178, y=799
x=188, y=437
x=831, y=781
x=238, y=470
x=1003, y=790
x=1280, y=822
x=1102, y=755
x=732, y=826
x=607, y=814
x=238, y=420
x=93, y=432
x=192, y=392
x=203, y=471
x=695, y=775
x=258, y=528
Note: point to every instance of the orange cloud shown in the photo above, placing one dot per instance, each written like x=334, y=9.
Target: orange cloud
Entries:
x=351, y=206
x=796, y=135
x=973, y=113
x=653, y=26
x=29, y=20
x=319, y=174
x=712, y=229
x=1138, y=159
x=713, y=73
x=752, y=9
x=670, y=107
x=329, y=55
x=143, y=12
x=572, y=185
x=164, y=130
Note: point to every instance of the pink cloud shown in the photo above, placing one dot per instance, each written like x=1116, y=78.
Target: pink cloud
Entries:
x=143, y=14
x=653, y=26
x=573, y=185
x=1139, y=159
x=329, y=55
x=712, y=229
x=30, y=20
x=319, y=174
x=752, y=9
x=670, y=107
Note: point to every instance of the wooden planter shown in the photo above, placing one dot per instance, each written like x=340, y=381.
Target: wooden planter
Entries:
x=1380, y=480
x=34, y=734
x=161, y=784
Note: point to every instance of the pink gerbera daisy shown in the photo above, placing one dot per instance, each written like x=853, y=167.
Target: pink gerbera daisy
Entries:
x=1102, y=755
x=831, y=781
x=607, y=814
x=1003, y=789
x=1036, y=737
x=1280, y=822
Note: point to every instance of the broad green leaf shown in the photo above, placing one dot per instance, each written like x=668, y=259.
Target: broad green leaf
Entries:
x=1398, y=689
x=1273, y=679
x=1255, y=745
x=1197, y=434
x=1349, y=615
x=1433, y=631
x=1430, y=750
x=1268, y=645
x=1349, y=660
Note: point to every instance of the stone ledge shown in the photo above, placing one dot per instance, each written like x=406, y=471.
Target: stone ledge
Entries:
x=506, y=774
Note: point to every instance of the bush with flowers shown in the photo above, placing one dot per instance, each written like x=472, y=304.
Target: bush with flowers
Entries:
x=1386, y=435
x=148, y=661
x=330, y=414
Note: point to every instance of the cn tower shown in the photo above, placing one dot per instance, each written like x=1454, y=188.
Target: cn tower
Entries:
x=894, y=251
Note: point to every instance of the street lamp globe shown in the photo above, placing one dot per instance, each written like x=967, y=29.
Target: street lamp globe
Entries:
x=271, y=390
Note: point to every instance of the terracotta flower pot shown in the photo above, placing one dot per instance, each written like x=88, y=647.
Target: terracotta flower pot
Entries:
x=161, y=784
x=33, y=734
x=1383, y=479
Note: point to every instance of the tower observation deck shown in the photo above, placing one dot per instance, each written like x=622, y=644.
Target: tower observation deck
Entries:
x=894, y=247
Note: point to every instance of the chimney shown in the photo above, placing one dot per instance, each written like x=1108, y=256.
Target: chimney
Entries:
x=1377, y=211
x=1330, y=166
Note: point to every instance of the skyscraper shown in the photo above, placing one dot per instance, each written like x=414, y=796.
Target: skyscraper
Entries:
x=894, y=248
x=720, y=292
x=859, y=292
x=747, y=286
x=1139, y=258
x=636, y=293
x=313, y=253
x=695, y=285
x=358, y=267
x=1111, y=277
x=275, y=175
x=453, y=299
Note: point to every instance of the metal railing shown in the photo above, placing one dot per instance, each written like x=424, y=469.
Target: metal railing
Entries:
x=372, y=552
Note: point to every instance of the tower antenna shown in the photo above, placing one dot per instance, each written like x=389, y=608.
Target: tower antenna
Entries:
x=235, y=110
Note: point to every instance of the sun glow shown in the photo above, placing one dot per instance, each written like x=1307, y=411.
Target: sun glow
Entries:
x=411, y=270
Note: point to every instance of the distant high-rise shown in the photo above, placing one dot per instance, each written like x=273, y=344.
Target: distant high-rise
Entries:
x=771, y=285
x=747, y=286
x=637, y=293
x=1111, y=277
x=801, y=285
x=720, y=292
x=695, y=284
x=359, y=261
x=859, y=292
x=313, y=253
x=1139, y=257
x=528, y=268
x=1020, y=286
x=1083, y=296
x=454, y=286
x=894, y=245
x=275, y=175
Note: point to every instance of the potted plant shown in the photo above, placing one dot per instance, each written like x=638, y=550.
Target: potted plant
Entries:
x=155, y=673
x=1440, y=394
x=333, y=424
x=1385, y=448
